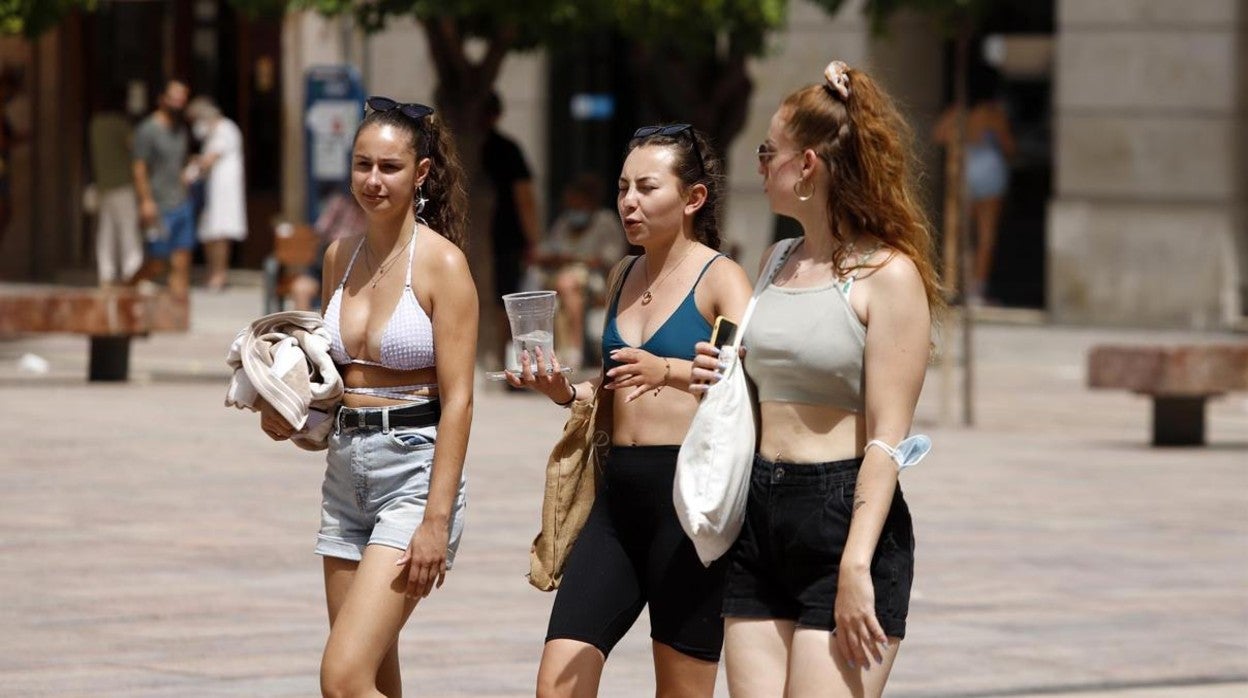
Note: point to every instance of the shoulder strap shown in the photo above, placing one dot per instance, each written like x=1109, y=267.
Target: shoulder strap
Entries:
x=778, y=256
x=411, y=254
x=351, y=264
x=603, y=415
x=706, y=267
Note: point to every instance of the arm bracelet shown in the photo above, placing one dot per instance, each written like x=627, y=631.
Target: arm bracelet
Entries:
x=570, y=400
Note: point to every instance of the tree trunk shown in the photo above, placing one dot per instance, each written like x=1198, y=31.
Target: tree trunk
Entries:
x=460, y=97
x=961, y=229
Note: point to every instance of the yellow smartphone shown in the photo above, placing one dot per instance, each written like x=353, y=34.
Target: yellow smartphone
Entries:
x=724, y=331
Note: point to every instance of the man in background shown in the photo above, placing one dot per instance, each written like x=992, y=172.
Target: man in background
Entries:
x=514, y=229
x=161, y=147
x=118, y=249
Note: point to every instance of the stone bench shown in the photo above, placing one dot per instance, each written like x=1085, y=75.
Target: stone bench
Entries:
x=1179, y=379
x=109, y=317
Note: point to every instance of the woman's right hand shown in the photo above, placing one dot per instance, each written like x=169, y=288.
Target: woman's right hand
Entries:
x=534, y=375
x=273, y=423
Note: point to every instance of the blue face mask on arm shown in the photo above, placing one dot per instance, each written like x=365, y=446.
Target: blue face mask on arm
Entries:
x=907, y=453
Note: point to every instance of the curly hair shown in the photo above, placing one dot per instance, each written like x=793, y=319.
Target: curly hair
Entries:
x=447, y=206
x=867, y=146
x=709, y=173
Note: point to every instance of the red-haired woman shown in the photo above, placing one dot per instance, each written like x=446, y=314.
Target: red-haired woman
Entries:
x=819, y=581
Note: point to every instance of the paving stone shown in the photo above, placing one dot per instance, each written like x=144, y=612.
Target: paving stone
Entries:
x=154, y=544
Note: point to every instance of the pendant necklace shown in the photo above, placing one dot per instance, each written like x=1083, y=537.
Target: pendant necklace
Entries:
x=647, y=296
x=385, y=265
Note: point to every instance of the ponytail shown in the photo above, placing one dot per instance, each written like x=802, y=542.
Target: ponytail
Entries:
x=853, y=125
x=447, y=205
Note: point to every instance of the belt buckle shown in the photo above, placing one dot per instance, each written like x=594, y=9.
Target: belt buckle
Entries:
x=362, y=421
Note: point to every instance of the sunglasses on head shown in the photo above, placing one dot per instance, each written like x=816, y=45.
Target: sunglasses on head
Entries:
x=673, y=130
x=411, y=110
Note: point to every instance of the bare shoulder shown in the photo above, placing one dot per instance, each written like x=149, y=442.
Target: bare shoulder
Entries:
x=725, y=273
x=893, y=270
x=333, y=265
x=439, y=255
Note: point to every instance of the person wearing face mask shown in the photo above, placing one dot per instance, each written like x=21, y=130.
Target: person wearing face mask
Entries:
x=632, y=552
x=220, y=163
x=819, y=579
x=584, y=241
x=166, y=214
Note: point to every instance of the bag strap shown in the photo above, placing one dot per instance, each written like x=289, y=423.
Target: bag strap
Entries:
x=615, y=282
x=779, y=254
x=603, y=410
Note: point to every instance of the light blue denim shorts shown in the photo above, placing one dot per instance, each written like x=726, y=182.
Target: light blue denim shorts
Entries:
x=376, y=488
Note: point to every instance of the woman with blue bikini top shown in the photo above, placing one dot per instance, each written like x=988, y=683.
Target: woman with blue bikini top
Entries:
x=632, y=552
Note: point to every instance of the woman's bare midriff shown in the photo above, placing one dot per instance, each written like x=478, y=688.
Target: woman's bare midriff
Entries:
x=651, y=420
x=364, y=376
x=802, y=433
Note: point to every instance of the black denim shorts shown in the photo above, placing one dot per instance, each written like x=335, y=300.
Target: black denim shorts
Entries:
x=786, y=562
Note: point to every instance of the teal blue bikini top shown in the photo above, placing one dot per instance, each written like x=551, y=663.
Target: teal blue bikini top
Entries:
x=674, y=339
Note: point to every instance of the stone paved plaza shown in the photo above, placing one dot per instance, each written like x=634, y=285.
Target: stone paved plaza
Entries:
x=153, y=543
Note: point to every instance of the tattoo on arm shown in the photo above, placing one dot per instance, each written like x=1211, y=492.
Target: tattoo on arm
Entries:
x=859, y=501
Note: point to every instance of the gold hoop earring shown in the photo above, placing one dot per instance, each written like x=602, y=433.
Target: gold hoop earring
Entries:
x=799, y=195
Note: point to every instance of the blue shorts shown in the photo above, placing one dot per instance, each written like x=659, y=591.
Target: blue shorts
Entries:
x=376, y=488
x=179, y=224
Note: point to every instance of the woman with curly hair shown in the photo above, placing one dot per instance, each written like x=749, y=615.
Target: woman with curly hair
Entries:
x=401, y=310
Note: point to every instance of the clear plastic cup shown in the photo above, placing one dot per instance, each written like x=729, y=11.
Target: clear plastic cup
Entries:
x=532, y=318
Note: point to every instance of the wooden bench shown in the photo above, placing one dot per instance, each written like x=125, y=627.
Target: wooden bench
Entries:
x=295, y=248
x=1179, y=379
x=109, y=317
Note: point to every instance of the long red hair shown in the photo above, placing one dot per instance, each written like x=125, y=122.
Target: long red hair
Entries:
x=868, y=148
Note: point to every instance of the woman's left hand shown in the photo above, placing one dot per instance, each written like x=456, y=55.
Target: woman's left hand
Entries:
x=638, y=369
x=426, y=559
x=858, y=637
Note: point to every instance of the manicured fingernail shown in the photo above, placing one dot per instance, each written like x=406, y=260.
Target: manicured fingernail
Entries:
x=723, y=364
x=851, y=664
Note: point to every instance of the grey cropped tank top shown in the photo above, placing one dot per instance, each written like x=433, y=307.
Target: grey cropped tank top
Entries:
x=805, y=345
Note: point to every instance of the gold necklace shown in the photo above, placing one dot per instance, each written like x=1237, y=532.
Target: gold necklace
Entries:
x=386, y=264
x=647, y=296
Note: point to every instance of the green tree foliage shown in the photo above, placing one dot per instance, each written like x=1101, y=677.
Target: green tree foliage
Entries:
x=31, y=18
x=690, y=58
x=949, y=14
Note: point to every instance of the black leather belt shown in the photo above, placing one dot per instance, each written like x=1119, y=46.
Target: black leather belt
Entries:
x=423, y=415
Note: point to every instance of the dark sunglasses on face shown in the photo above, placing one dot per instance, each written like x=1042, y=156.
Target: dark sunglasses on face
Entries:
x=673, y=130
x=411, y=110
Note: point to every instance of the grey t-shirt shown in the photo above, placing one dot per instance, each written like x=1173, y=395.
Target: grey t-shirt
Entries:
x=164, y=151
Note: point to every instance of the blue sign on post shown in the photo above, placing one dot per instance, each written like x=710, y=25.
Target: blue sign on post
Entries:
x=333, y=108
x=588, y=106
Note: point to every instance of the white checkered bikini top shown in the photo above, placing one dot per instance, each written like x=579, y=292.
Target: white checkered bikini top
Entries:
x=406, y=343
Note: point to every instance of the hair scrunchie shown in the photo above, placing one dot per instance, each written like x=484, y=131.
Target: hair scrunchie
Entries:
x=836, y=76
